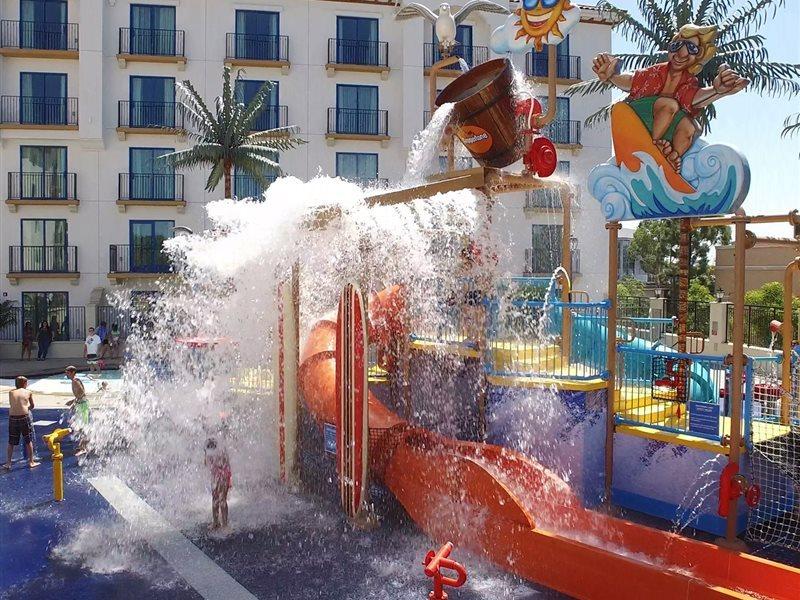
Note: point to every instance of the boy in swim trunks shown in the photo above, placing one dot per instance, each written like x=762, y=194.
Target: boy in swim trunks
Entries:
x=667, y=96
x=216, y=459
x=19, y=421
x=80, y=406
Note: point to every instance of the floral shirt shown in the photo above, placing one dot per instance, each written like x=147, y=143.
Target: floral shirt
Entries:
x=651, y=81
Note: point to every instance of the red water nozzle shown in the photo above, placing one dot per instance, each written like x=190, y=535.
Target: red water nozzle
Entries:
x=775, y=326
x=434, y=562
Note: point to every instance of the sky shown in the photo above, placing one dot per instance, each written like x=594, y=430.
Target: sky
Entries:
x=753, y=124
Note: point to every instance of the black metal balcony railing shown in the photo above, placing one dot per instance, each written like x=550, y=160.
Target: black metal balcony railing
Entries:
x=358, y=121
x=563, y=132
x=39, y=35
x=149, y=115
x=272, y=116
x=151, y=42
x=472, y=55
x=249, y=46
x=137, y=258
x=43, y=259
x=567, y=66
x=42, y=186
x=66, y=323
x=38, y=110
x=150, y=186
x=543, y=200
x=358, y=52
x=245, y=186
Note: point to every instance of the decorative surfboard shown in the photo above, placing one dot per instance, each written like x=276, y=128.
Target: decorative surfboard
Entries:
x=352, y=395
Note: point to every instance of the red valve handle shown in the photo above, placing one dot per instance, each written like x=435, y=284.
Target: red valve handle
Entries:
x=752, y=495
x=434, y=562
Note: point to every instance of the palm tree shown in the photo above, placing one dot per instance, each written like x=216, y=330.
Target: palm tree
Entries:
x=738, y=44
x=225, y=139
x=791, y=125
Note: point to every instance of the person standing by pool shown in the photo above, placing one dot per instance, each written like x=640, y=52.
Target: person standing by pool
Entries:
x=43, y=340
x=217, y=461
x=19, y=421
x=27, y=340
x=80, y=408
x=91, y=348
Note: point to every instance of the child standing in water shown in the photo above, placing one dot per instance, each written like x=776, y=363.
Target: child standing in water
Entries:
x=216, y=459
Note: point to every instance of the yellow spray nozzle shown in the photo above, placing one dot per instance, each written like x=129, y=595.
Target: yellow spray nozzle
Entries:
x=54, y=438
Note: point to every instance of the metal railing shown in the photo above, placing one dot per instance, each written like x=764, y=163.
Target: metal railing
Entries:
x=38, y=110
x=698, y=316
x=358, y=121
x=756, y=324
x=563, y=132
x=137, y=258
x=472, y=55
x=39, y=35
x=272, y=116
x=567, y=66
x=249, y=46
x=150, y=186
x=245, y=186
x=43, y=259
x=151, y=42
x=545, y=200
x=112, y=315
x=66, y=323
x=633, y=306
x=358, y=52
x=150, y=115
x=42, y=186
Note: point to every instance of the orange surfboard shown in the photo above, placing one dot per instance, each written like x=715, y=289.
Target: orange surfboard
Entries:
x=630, y=135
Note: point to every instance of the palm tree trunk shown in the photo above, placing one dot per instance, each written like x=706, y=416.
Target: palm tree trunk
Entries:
x=228, y=186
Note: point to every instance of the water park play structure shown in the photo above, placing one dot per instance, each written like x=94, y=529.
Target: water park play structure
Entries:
x=666, y=431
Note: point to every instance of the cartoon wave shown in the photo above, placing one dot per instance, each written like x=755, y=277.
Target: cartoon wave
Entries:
x=720, y=174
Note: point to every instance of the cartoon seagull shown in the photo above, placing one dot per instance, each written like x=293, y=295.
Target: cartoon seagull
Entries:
x=445, y=24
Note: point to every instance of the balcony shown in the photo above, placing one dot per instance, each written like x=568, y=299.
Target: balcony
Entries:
x=158, y=118
x=272, y=117
x=35, y=112
x=150, y=189
x=245, y=186
x=542, y=201
x=33, y=39
x=566, y=134
x=137, y=261
x=254, y=50
x=568, y=67
x=42, y=262
x=357, y=124
x=472, y=55
x=42, y=189
x=358, y=55
x=151, y=45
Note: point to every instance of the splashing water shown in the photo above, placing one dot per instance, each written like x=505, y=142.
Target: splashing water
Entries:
x=424, y=153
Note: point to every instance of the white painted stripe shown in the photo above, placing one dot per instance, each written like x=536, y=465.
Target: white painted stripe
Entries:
x=199, y=571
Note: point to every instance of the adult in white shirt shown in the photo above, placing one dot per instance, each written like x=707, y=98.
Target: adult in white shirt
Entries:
x=91, y=348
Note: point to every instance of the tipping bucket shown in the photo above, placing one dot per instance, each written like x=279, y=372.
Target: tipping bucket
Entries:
x=483, y=116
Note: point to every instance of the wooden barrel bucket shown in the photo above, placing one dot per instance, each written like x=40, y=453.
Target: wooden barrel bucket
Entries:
x=483, y=117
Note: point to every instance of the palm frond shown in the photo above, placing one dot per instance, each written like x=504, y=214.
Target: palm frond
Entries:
x=194, y=105
x=590, y=86
x=200, y=155
x=599, y=116
x=256, y=105
x=217, y=172
x=750, y=16
x=791, y=125
x=646, y=39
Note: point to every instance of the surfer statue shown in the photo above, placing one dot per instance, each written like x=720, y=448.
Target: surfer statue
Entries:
x=667, y=96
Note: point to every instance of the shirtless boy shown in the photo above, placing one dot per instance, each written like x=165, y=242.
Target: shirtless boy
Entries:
x=19, y=423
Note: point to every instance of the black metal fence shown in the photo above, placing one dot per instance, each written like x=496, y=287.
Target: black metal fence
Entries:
x=39, y=35
x=38, y=110
x=563, y=132
x=42, y=186
x=66, y=323
x=472, y=55
x=151, y=42
x=245, y=186
x=150, y=186
x=698, y=316
x=150, y=115
x=567, y=66
x=358, y=121
x=248, y=46
x=111, y=315
x=756, y=324
x=633, y=306
x=358, y=52
x=137, y=258
x=43, y=259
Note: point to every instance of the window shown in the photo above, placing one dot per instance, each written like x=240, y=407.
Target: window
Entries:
x=269, y=118
x=562, y=168
x=356, y=41
x=44, y=245
x=626, y=262
x=463, y=49
x=545, y=248
x=43, y=172
x=152, y=102
x=52, y=307
x=152, y=30
x=146, y=246
x=537, y=67
x=560, y=130
x=258, y=35
x=43, y=98
x=43, y=24
x=356, y=166
x=357, y=109
x=247, y=186
x=150, y=177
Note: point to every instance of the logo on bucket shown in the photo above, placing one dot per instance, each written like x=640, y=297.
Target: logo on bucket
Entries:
x=476, y=139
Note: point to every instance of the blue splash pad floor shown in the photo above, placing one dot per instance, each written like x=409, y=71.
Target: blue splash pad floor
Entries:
x=300, y=557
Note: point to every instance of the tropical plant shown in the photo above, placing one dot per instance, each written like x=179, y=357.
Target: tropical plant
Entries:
x=224, y=139
x=738, y=43
x=791, y=125
x=8, y=313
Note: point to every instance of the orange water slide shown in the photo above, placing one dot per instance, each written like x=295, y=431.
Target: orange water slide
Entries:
x=522, y=517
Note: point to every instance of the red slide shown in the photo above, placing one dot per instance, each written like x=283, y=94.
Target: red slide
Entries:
x=519, y=515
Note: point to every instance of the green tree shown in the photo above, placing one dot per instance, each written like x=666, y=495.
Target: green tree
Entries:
x=224, y=139
x=8, y=313
x=769, y=294
x=630, y=287
x=739, y=44
x=698, y=292
x=656, y=243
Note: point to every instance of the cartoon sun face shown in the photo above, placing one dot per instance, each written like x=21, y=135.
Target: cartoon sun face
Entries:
x=539, y=19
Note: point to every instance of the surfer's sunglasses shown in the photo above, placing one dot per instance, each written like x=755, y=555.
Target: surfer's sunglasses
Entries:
x=691, y=48
x=531, y=4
